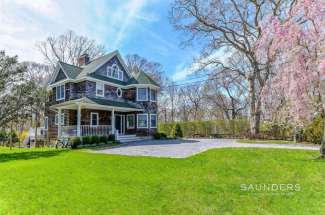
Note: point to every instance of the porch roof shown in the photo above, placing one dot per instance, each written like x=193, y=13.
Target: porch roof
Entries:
x=93, y=103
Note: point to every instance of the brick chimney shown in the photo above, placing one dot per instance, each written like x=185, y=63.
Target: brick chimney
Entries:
x=83, y=60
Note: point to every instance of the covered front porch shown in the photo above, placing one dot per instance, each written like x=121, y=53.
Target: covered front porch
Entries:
x=89, y=117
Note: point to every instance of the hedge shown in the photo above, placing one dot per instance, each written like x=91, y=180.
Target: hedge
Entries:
x=205, y=128
x=226, y=128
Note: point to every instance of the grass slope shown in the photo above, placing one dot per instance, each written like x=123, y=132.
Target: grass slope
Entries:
x=76, y=182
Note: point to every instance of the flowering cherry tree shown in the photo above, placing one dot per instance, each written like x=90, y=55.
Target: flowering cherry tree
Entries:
x=297, y=43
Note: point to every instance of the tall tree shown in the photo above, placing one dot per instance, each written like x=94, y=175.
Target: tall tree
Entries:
x=299, y=44
x=68, y=48
x=14, y=91
x=235, y=25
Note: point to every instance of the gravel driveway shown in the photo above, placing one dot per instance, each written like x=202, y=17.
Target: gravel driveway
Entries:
x=188, y=147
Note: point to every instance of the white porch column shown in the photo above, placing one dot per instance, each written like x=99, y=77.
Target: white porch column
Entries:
x=79, y=120
x=113, y=121
x=59, y=123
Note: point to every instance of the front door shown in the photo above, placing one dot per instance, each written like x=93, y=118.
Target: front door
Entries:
x=119, y=123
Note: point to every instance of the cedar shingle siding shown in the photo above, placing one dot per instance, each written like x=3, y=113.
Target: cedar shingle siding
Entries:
x=60, y=76
x=87, y=88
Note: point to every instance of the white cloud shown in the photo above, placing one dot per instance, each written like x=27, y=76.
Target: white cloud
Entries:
x=23, y=23
x=183, y=70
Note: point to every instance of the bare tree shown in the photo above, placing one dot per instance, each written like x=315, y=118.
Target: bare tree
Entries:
x=195, y=96
x=171, y=92
x=136, y=63
x=234, y=25
x=68, y=48
x=227, y=93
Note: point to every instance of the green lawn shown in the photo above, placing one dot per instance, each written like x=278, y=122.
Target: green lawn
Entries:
x=77, y=182
x=266, y=141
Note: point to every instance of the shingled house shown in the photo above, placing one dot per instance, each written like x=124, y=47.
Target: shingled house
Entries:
x=100, y=97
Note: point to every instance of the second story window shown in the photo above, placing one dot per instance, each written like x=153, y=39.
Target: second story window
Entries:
x=114, y=72
x=60, y=92
x=153, y=95
x=99, y=89
x=142, y=94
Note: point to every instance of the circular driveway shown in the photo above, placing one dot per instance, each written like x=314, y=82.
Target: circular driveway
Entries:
x=182, y=148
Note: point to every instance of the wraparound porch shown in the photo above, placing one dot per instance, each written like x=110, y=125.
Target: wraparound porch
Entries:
x=83, y=117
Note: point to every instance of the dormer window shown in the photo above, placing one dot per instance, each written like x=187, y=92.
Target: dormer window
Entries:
x=114, y=72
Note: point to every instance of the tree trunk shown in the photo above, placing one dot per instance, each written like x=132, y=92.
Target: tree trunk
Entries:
x=35, y=141
x=322, y=146
x=254, y=108
x=10, y=136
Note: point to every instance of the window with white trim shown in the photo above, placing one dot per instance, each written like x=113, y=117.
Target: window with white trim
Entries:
x=46, y=123
x=119, y=92
x=94, y=119
x=153, y=95
x=99, y=89
x=114, y=72
x=60, y=92
x=130, y=121
x=57, y=119
x=142, y=94
x=153, y=120
x=142, y=120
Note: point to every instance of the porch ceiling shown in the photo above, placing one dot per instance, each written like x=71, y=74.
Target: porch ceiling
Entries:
x=94, y=103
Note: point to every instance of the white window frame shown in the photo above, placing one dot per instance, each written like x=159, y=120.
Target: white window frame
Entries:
x=56, y=92
x=91, y=118
x=140, y=100
x=46, y=123
x=98, y=84
x=138, y=120
x=151, y=115
x=56, y=119
x=156, y=95
x=117, y=90
x=127, y=121
x=110, y=72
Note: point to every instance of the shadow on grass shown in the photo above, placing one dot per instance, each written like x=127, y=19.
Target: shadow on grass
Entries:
x=5, y=157
x=155, y=142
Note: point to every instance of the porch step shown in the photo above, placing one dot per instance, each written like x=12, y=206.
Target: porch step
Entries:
x=131, y=138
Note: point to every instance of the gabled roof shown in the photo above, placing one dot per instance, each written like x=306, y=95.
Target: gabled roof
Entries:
x=142, y=78
x=70, y=70
x=75, y=72
x=95, y=64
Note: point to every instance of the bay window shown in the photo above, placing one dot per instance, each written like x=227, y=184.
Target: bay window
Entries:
x=153, y=95
x=142, y=94
x=60, y=92
x=99, y=89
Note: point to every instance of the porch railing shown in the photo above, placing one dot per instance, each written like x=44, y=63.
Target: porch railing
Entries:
x=69, y=131
x=97, y=130
x=86, y=130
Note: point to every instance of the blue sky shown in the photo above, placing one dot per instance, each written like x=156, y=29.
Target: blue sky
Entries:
x=134, y=26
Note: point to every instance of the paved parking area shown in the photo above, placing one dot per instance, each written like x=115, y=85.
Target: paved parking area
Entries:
x=187, y=147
